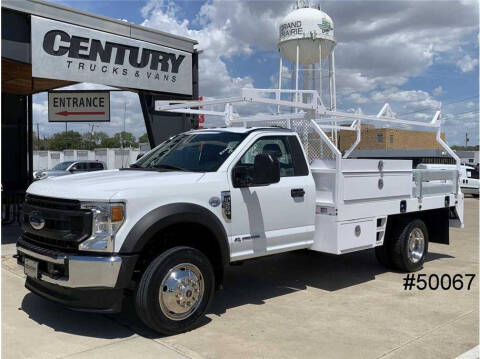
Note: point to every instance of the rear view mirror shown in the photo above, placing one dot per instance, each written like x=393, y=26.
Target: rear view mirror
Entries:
x=265, y=171
x=242, y=177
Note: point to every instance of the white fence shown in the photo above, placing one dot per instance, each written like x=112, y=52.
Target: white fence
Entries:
x=112, y=157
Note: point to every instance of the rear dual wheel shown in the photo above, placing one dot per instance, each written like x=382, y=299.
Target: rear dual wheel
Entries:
x=407, y=249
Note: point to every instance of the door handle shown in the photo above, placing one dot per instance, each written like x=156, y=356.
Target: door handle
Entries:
x=297, y=192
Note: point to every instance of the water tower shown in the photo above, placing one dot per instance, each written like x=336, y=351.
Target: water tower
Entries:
x=306, y=45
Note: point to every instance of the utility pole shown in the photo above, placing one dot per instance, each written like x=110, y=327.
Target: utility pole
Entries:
x=466, y=139
x=38, y=133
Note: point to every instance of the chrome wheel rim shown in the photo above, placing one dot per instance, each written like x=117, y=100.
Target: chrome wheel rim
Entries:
x=416, y=245
x=181, y=291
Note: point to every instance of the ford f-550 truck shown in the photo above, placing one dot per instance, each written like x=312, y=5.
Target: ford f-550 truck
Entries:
x=164, y=229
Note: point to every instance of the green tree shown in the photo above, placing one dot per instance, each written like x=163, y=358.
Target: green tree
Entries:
x=143, y=138
x=98, y=137
x=38, y=143
x=126, y=138
x=94, y=140
x=65, y=140
x=110, y=142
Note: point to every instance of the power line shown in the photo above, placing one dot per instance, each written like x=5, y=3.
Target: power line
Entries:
x=463, y=114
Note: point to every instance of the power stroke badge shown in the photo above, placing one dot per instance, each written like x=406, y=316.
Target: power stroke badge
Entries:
x=73, y=53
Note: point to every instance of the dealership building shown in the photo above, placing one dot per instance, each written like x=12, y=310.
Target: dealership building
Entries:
x=47, y=46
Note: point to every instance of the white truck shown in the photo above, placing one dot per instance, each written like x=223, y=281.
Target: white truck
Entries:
x=469, y=182
x=164, y=229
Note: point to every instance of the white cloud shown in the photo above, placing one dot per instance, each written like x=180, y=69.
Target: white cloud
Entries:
x=357, y=98
x=438, y=91
x=467, y=63
x=470, y=104
x=216, y=39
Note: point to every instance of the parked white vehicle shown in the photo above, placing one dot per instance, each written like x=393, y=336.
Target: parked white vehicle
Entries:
x=164, y=229
x=469, y=182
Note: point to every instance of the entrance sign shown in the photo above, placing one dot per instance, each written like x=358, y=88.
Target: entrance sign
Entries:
x=63, y=51
x=79, y=106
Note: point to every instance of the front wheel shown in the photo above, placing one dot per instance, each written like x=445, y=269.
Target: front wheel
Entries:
x=410, y=246
x=175, y=290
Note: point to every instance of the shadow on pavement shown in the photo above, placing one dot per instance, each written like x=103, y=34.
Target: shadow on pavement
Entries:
x=254, y=282
x=273, y=276
x=64, y=320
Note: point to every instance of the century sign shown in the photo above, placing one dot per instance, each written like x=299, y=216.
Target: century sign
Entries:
x=67, y=52
x=79, y=106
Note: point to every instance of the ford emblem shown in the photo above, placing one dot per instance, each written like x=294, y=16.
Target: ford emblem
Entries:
x=36, y=221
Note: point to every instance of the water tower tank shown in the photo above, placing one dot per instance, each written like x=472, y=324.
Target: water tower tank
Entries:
x=309, y=28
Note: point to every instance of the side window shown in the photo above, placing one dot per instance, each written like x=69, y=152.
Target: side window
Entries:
x=300, y=166
x=80, y=166
x=472, y=174
x=95, y=166
x=277, y=146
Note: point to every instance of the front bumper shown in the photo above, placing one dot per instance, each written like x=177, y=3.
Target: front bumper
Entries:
x=93, y=283
x=83, y=271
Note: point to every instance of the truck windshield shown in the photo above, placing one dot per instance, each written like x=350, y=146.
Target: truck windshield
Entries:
x=62, y=166
x=192, y=152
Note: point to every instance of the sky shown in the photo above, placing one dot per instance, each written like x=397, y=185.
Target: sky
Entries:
x=419, y=56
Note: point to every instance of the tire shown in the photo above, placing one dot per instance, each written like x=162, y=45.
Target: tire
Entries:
x=410, y=233
x=168, y=307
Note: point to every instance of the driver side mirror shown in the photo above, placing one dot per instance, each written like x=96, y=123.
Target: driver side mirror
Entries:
x=265, y=171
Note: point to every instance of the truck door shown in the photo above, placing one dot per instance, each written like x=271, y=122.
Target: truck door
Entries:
x=277, y=217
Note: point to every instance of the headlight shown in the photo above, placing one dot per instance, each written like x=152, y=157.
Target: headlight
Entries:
x=107, y=220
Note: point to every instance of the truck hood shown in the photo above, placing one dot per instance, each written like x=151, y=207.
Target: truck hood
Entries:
x=102, y=185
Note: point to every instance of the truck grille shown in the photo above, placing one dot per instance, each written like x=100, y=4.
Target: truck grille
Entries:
x=65, y=223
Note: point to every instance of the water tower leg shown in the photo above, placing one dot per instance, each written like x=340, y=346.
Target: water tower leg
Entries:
x=313, y=79
x=334, y=94
x=330, y=76
x=330, y=72
x=279, y=82
x=296, y=76
x=320, y=70
x=292, y=79
x=334, y=90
